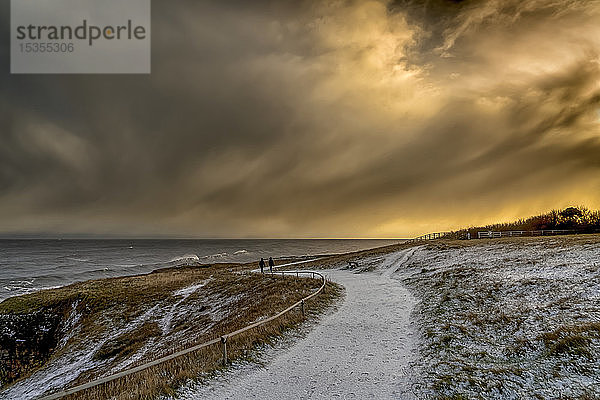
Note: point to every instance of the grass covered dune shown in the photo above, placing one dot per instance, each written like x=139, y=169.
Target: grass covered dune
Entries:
x=510, y=318
x=76, y=333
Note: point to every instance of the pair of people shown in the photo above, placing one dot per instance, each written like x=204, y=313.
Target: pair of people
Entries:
x=262, y=265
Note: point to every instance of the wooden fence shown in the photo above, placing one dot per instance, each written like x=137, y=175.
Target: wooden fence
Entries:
x=493, y=234
x=500, y=234
x=429, y=236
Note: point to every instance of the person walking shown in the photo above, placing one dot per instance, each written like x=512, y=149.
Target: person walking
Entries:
x=262, y=265
x=271, y=264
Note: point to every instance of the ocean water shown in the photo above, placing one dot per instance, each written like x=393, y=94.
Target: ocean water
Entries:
x=30, y=265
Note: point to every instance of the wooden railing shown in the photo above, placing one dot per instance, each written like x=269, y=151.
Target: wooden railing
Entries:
x=222, y=340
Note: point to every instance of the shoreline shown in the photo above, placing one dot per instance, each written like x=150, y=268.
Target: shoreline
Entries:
x=34, y=265
x=313, y=261
x=333, y=260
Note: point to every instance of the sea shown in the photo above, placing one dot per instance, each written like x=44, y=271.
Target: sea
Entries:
x=27, y=265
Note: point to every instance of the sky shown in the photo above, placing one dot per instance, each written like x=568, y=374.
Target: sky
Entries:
x=345, y=119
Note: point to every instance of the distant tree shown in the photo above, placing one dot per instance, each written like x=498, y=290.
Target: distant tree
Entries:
x=571, y=212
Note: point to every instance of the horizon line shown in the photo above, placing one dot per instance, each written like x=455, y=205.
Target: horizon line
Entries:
x=100, y=237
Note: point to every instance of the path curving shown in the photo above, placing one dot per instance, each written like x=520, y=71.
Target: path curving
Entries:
x=363, y=350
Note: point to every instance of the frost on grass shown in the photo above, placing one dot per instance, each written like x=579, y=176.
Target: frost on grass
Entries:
x=105, y=326
x=514, y=319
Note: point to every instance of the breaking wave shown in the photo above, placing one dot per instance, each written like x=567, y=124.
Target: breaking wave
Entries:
x=184, y=258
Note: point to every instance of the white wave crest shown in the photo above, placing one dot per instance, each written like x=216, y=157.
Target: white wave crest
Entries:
x=186, y=257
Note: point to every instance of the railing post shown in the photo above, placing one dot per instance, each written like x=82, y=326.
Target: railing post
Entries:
x=302, y=307
x=224, y=343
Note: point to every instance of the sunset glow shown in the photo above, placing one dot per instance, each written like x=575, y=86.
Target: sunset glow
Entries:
x=314, y=119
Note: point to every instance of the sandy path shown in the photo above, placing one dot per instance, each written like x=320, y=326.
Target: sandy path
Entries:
x=361, y=351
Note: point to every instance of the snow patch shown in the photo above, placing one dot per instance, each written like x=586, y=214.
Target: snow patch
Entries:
x=186, y=292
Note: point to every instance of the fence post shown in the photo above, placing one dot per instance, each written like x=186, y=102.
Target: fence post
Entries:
x=303, y=307
x=224, y=342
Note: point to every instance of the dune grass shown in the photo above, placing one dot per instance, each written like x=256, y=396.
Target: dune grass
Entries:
x=124, y=315
x=166, y=378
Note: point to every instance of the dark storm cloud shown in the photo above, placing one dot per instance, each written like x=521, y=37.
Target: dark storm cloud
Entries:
x=313, y=119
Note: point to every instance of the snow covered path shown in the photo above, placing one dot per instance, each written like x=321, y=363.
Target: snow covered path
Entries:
x=361, y=351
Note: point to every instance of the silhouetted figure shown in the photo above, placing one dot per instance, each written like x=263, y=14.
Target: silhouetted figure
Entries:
x=271, y=264
x=262, y=265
